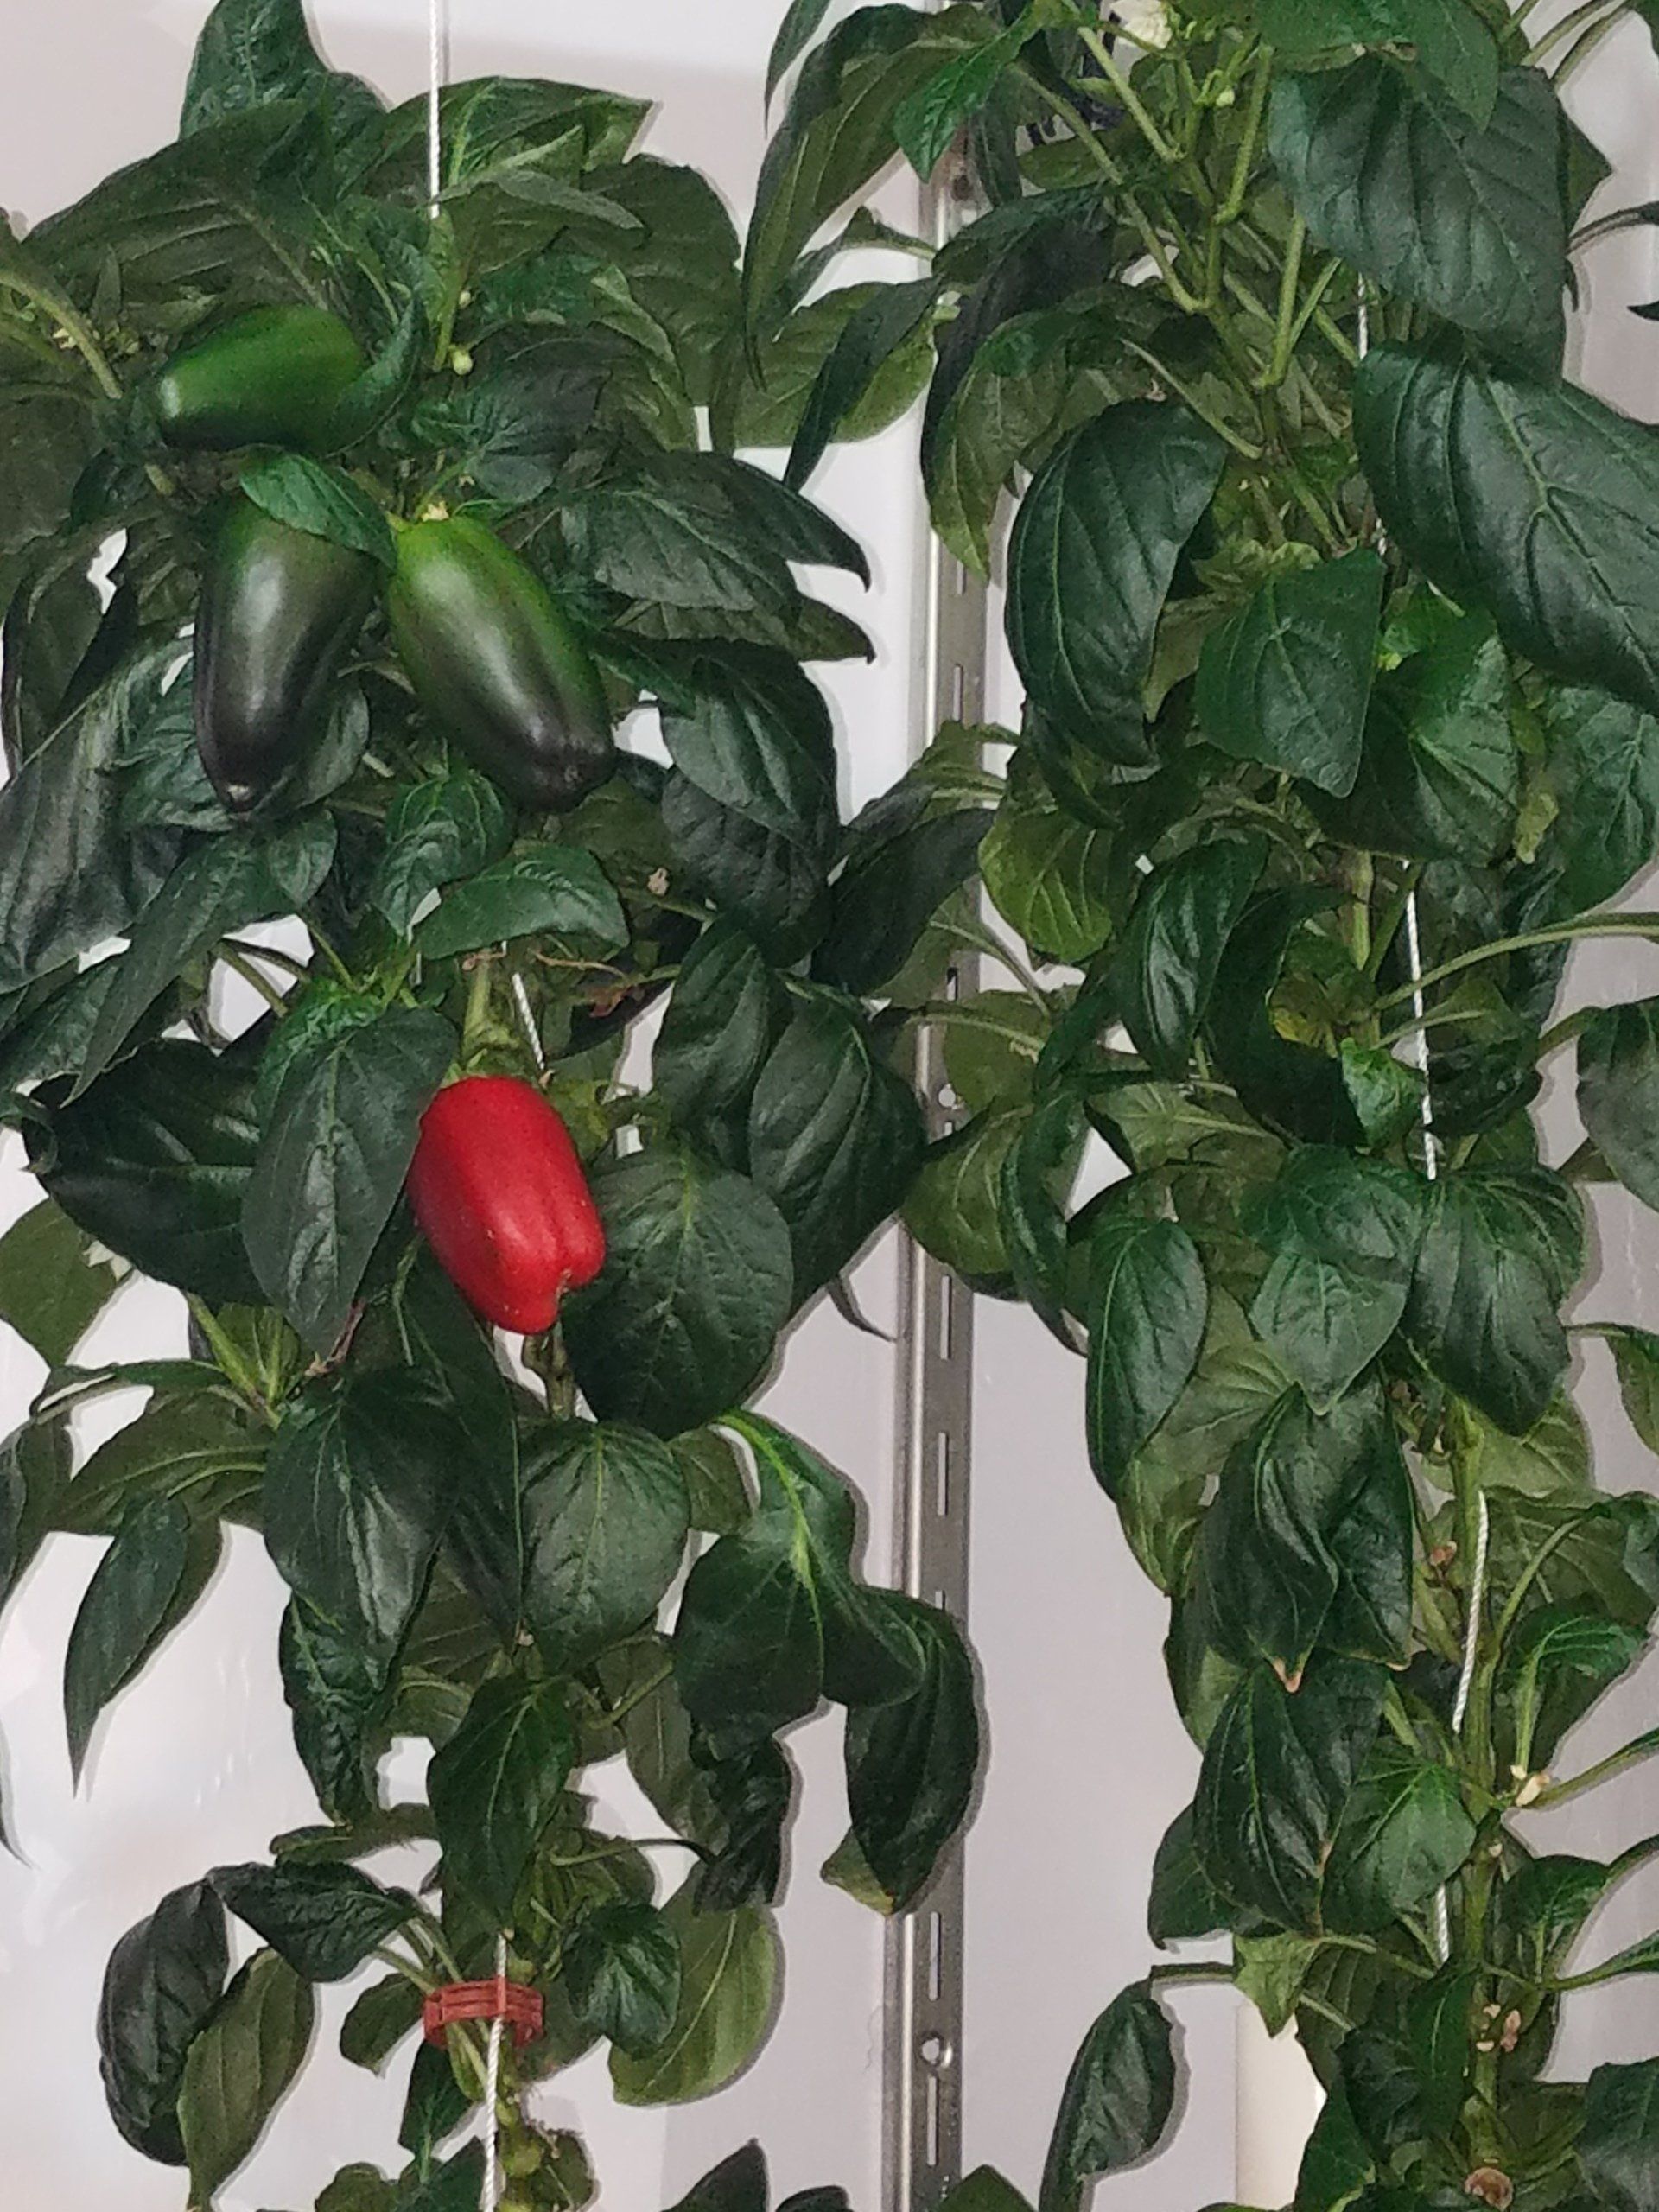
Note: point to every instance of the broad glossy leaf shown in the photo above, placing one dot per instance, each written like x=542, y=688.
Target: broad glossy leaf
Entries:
x=795, y=33
x=728, y=1971
x=1404, y=1834
x=1484, y=1306
x=1618, y=1093
x=1038, y=1177
x=1464, y=220
x=1558, y=1662
x=485, y=122
x=622, y=1969
x=332, y=1162
x=340, y=1699
x=606, y=1522
x=51, y=1289
x=1165, y=968
x=250, y=52
x=1440, y=774
x=1149, y=1300
x=721, y=1023
x=1621, y=2125
x=1118, y=2098
x=189, y=1443
x=1288, y=679
x=163, y=1979
x=1183, y=1904
x=697, y=1282
x=954, y=1209
x=879, y=328
x=1278, y=1769
x=320, y=502
x=496, y=1784
x=324, y=1921
x=1603, y=758
x=773, y=1621
x=1342, y=1236
x=552, y=890
x=69, y=877
x=1599, y=1554
x=911, y=1764
x=357, y=1490
x=767, y=402
x=239, y=2068
x=889, y=891
x=128, y=1604
x=155, y=1163
x=1050, y=877
x=774, y=887
x=1453, y=45
x=1533, y=499
x=752, y=731
x=836, y=1137
x=227, y=883
x=838, y=129
x=1292, y=1087
x=1092, y=556
x=1635, y=1356
x=451, y=826
x=379, y=2021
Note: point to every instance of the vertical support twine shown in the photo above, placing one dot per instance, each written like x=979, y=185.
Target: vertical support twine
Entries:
x=490, y=2192
x=1477, y=1592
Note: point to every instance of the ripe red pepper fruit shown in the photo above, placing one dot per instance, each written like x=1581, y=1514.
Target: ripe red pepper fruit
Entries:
x=498, y=1189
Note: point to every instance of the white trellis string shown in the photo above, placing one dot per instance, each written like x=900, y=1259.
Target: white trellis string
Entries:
x=492, y=2190
x=1477, y=1595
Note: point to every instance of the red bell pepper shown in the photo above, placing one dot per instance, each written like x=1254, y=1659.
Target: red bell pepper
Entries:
x=499, y=1191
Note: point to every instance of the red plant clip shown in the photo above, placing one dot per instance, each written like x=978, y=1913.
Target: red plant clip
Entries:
x=514, y=2002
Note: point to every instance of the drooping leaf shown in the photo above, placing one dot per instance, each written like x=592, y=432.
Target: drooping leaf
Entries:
x=546, y=891
x=696, y=1284
x=890, y=890
x=1404, y=1834
x=252, y=52
x=1534, y=500
x=1147, y=1306
x=1453, y=47
x=239, y=2068
x=452, y=826
x=622, y=1968
x=338, y=1697
x=128, y=1603
x=323, y=1921
x=1093, y=553
x=1621, y=2119
x=1279, y=1771
x=1465, y=218
x=1618, y=1093
x=1117, y=2101
x=163, y=1982
x=495, y=1784
x=728, y=1963
x=721, y=1023
x=866, y=344
x=835, y=1138
x=1165, y=970
x=1483, y=1306
x=51, y=1288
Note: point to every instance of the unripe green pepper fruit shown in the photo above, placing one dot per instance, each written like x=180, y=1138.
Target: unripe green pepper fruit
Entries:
x=275, y=376
x=278, y=608
x=492, y=657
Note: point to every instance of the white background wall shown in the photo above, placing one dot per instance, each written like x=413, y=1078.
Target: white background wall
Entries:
x=194, y=1766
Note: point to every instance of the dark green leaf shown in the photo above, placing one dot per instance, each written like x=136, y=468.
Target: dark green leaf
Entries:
x=1533, y=499
x=911, y=1764
x=154, y=1163
x=1165, y=970
x=1037, y=1179
x=696, y=1284
x=339, y=1698
x=333, y=1163
x=1621, y=2131
x=1288, y=680
x=606, y=1522
x=228, y=882
x=1147, y=1304
x=795, y=33
x=379, y=2021
x=1603, y=756
x=1404, y=1834
x=1118, y=2098
x=728, y=1969
x=877, y=330
x=889, y=891
x=1292, y=1087
x=1049, y=875
x=927, y=120
x=324, y=1921
x=1278, y=1769
x=1452, y=46
x=1557, y=1662
x=252, y=52
x=773, y=887
x=1093, y=553
x=1184, y=1905
x=1466, y=221
x=239, y=2068
x=495, y=1785
x=622, y=1968
x=189, y=1444
x=1342, y=1237
x=1636, y=1356
x=127, y=1605
x=837, y=131
x=310, y=496
x=356, y=1492
x=954, y=1206
x=721, y=1024
x=453, y=826
x=51, y=1289
x=163, y=1979
x=1482, y=1307
x=834, y=1140
x=558, y=891
x=751, y=730
x=1618, y=1093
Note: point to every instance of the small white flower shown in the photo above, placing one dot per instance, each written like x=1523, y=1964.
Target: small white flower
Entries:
x=1147, y=20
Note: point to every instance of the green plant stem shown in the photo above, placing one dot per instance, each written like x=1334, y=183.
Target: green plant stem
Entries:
x=1238, y=191
x=1284, y=324
x=1563, y=32
x=1200, y=1970
x=1591, y=925
x=1562, y=1793
x=241, y=965
x=1588, y=42
x=638, y=1696
x=74, y=325
x=1190, y=399
x=1128, y=98
x=289, y=965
